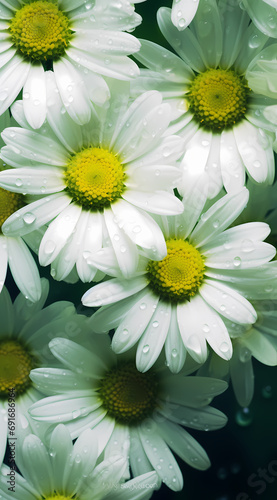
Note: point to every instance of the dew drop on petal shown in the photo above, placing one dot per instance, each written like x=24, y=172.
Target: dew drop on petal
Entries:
x=237, y=261
x=145, y=349
x=29, y=218
x=224, y=347
x=49, y=247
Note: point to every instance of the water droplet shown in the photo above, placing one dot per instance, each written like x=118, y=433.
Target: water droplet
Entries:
x=244, y=355
x=267, y=392
x=224, y=347
x=125, y=331
x=49, y=247
x=174, y=353
x=257, y=164
x=137, y=229
x=182, y=22
x=18, y=182
x=216, y=224
x=244, y=417
x=237, y=261
x=206, y=328
x=155, y=324
x=143, y=306
x=145, y=349
x=123, y=249
x=247, y=246
x=29, y=218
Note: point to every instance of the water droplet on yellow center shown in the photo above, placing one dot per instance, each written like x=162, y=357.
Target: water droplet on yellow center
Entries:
x=94, y=178
x=218, y=98
x=179, y=275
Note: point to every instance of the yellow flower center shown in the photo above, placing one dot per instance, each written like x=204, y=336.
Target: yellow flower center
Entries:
x=94, y=178
x=40, y=31
x=59, y=497
x=16, y=362
x=9, y=203
x=179, y=275
x=128, y=395
x=218, y=98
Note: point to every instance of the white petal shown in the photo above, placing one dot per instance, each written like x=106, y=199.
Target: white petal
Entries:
x=4, y=431
x=189, y=321
x=64, y=407
x=12, y=78
x=256, y=151
x=134, y=323
x=108, y=42
x=160, y=176
x=174, y=347
x=35, y=215
x=57, y=234
x=152, y=340
x=163, y=61
x=124, y=248
x=260, y=347
x=232, y=167
x=72, y=90
x=213, y=328
x=32, y=145
x=219, y=217
x=155, y=448
x=236, y=258
x=24, y=268
x=37, y=459
x=37, y=180
x=70, y=353
x=184, y=445
x=34, y=96
x=3, y=260
x=228, y=302
x=112, y=291
x=160, y=202
x=141, y=229
x=120, y=67
x=67, y=131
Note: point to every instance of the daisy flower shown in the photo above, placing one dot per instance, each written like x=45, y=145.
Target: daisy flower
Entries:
x=64, y=471
x=96, y=183
x=137, y=415
x=179, y=302
x=14, y=253
x=80, y=41
x=263, y=14
x=220, y=84
x=258, y=340
x=183, y=12
x=25, y=331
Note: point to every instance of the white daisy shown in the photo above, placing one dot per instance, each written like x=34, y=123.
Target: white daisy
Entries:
x=263, y=14
x=180, y=301
x=80, y=41
x=95, y=182
x=137, y=415
x=183, y=12
x=64, y=471
x=222, y=89
x=25, y=330
x=258, y=340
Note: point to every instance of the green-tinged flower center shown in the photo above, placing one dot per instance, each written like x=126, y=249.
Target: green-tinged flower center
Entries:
x=128, y=395
x=16, y=362
x=179, y=275
x=59, y=497
x=218, y=98
x=9, y=203
x=94, y=178
x=40, y=31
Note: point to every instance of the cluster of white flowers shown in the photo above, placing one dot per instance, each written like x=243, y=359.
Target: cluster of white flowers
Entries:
x=153, y=183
